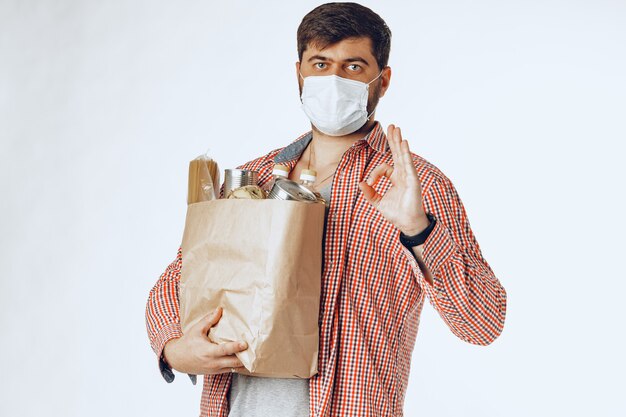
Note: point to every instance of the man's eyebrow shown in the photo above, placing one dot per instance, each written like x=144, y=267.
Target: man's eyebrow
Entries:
x=357, y=59
x=318, y=58
x=351, y=59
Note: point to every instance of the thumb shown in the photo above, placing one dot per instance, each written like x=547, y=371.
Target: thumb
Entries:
x=209, y=321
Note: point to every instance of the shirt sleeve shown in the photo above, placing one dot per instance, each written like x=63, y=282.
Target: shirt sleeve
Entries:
x=163, y=314
x=465, y=291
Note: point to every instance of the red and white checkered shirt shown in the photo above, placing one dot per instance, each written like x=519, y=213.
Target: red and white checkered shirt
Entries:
x=372, y=288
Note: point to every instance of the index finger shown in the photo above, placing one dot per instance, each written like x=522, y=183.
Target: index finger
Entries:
x=407, y=160
x=394, y=138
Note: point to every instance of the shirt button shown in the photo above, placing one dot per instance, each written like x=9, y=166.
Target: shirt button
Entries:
x=441, y=295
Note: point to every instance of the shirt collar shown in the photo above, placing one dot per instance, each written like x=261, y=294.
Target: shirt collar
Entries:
x=376, y=140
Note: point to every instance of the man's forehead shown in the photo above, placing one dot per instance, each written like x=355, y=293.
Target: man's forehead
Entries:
x=350, y=47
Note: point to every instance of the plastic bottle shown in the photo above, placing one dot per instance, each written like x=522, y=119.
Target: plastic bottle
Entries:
x=307, y=179
x=279, y=171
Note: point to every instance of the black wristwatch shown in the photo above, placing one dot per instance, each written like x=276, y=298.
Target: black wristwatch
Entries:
x=419, y=239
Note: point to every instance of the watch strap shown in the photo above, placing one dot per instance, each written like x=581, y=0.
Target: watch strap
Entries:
x=419, y=239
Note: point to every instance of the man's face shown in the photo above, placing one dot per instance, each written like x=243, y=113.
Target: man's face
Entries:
x=350, y=58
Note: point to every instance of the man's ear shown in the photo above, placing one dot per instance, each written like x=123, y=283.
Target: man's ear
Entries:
x=299, y=77
x=386, y=79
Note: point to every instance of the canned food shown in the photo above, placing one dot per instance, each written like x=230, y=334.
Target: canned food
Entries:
x=235, y=178
x=285, y=189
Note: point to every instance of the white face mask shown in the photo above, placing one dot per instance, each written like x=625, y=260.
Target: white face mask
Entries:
x=336, y=106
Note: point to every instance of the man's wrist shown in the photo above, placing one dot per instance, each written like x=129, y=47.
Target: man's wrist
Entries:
x=167, y=371
x=420, y=225
x=419, y=237
x=168, y=346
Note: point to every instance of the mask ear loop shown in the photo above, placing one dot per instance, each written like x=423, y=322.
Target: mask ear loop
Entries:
x=368, y=87
x=300, y=74
x=377, y=77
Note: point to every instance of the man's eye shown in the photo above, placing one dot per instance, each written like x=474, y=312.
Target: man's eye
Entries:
x=320, y=65
x=354, y=67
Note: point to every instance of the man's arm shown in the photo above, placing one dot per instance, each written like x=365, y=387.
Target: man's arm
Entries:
x=162, y=313
x=450, y=267
x=192, y=353
x=457, y=279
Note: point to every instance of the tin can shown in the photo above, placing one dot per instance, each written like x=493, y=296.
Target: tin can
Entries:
x=285, y=189
x=235, y=178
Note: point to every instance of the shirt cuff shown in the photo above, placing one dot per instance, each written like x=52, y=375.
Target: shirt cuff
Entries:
x=166, y=334
x=438, y=248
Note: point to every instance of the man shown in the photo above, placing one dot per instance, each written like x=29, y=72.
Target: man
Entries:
x=396, y=231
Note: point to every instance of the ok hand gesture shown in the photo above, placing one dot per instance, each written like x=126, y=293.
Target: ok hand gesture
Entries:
x=402, y=203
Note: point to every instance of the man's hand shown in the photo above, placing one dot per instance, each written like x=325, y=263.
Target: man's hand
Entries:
x=194, y=353
x=402, y=203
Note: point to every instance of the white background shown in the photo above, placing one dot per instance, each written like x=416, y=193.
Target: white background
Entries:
x=102, y=104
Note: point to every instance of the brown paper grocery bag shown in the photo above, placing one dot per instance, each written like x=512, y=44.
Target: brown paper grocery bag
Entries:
x=260, y=260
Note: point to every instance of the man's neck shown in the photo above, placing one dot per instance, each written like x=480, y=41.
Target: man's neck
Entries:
x=329, y=149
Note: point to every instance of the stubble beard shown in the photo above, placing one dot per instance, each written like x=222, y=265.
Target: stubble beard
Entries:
x=371, y=107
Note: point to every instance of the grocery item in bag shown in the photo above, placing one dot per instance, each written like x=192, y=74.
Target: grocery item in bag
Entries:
x=204, y=180
x=260, y=260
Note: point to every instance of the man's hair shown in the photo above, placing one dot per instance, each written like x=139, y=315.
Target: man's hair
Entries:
x=331, y=23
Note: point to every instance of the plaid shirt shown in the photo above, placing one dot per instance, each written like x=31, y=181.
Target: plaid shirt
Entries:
x=373, y=290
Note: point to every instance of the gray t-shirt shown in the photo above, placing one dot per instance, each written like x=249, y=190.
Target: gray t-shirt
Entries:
x=252, y=396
